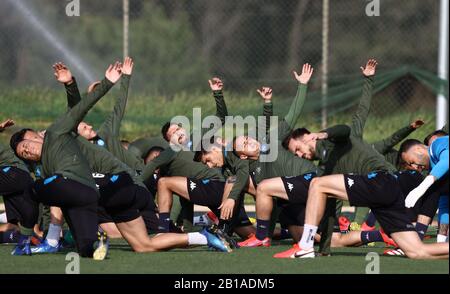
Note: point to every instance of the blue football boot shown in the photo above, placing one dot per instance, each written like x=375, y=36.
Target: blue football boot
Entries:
x=214, y=241
x=23, y=247
x=44, y=247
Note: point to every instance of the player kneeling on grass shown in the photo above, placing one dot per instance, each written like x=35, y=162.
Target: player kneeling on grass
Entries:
x=384, y=193
x=69, y=184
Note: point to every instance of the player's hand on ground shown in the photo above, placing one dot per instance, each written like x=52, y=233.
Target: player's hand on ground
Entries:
x=62, y=73
x=370, y=68
x=265, y=93
x=216, y=84
x=226, y=209
x=127, y=67
x=114, y=72
x=417, y=123
x=306, y=74
x=6, y=124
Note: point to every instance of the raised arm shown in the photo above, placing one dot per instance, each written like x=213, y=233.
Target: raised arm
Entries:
x=290, y=120
x=266, y=95
x=69, y=122
x=216, y=86
x=360, y=117
x=111, y=125
x=385, y=145
x=64, y=76
x=6, y=124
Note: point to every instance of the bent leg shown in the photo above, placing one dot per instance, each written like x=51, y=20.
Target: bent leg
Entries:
x=414, y=248
x=135, y=234
x=320, y=189
x=166, y=188
x=264, y=193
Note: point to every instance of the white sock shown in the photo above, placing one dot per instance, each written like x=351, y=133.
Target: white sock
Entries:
x=441, y=238
x=3, y=219
x=53, y=235
x=197, y=239
x=307, y=241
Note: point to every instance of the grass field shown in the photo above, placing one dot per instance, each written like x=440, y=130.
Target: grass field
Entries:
x=37, y=108
x=200, y=261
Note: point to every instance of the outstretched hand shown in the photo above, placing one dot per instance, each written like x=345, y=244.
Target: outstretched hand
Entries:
x=6, y=124
x=265, y=93
x=127, y=67
x=370, y=68
x=62, y=73
x=417, y=123
x=114, y=72
x=306, y=74
x=216, y=84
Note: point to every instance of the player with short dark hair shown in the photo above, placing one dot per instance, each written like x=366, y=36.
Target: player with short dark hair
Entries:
x=384, y=193
x=15, y=187
x=64, y=160
x=433, y=158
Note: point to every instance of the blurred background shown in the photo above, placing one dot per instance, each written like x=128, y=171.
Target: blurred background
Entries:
x=178, y=44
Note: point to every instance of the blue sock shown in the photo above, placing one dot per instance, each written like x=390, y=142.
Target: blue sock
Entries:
x=262, y=229
x=371, y=220
x=421, y=230
x=9, y=237
x=164, y=222
x=371, y=236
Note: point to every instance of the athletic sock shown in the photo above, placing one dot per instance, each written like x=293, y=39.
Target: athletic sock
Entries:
x=54, y=234
x=421, y=230
x=441, y=238
x=371, y=236
x=307, y=241
x=164, y=221
x=262, y=229
x=3, y=218
x=197, y=239
x=12, y=236
x=371, y=220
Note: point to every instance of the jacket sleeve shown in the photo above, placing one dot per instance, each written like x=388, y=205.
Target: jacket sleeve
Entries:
x=360, y=117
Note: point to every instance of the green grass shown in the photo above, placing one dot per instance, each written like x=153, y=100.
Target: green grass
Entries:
x=198, y=261
x=37, y=108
